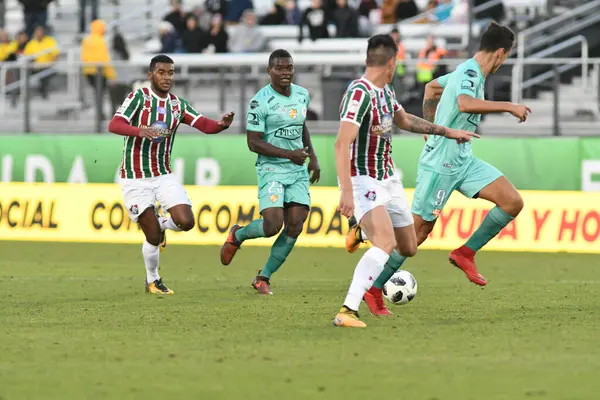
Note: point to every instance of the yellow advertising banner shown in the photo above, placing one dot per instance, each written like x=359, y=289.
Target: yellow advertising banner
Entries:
x=550, y=221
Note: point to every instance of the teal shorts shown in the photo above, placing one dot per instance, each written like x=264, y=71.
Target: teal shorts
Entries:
x=434, y=189
x=278, y=189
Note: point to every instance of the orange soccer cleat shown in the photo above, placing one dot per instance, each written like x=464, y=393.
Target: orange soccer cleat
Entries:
x=231, y=246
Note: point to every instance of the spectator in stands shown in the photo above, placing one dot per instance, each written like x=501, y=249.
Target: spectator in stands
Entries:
x=315, y=17
x=35, y=13
x=45, y=50
x=82, y=8
x=460, y=12
x=247, y=37
x=7, y=47
x=217, y=35
x=346, y=20
x=176, y=17
x=216, y=7
x=398, y=82
x=235, y=9
x=275, y=16
x=428, y=61
x=366, y=6
x=95, y=50
x=388, y=12
x=406, y=9
x=122, y=85
x=193, y=39
x=293, y=16
x=168, y=37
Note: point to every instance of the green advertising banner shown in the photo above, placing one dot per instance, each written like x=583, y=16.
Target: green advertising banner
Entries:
x=208, y=160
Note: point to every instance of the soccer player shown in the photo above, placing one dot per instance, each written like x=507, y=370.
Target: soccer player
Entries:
x=370, y=188
x=148, y=118
x=445, y=166
x=277, y=132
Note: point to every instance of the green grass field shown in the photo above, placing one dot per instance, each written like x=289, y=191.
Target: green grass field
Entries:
x=76, y=324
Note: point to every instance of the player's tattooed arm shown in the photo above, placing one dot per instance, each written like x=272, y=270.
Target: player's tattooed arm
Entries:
x=433, y=93
x=412, y=123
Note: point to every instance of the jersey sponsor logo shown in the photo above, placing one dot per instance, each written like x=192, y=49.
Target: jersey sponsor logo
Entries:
x=384, y=128
x=254, y=104
x=252, y=119
x=161, y=128
x=274, y=107
x=471, y=73
x=293, y=113
x=174, y=103
x=161, y=110
x=289, y=133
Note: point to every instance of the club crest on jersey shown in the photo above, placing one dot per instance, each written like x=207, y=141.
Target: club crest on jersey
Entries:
x=293, y=113
x=134, y=209
x=371, y=195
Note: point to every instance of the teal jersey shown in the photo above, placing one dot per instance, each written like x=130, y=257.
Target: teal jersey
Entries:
x=281, y=120
x=446, y=156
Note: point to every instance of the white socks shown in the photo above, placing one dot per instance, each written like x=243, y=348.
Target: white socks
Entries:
x=150, y=253
x=367, y=270
x=167, y=223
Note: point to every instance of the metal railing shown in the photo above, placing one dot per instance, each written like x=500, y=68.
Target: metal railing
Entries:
x=227, y=79
x=559, y=20
x=518, y=84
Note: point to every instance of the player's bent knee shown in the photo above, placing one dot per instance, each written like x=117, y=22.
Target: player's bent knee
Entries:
x=408, y=251
x=272, y=228
x=517, y=203
x=187, y=224
x=294, y=230
x=154, y=239
x=386, y=245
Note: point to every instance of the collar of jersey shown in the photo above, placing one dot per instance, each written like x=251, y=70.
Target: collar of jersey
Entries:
x=157, y=96
x=280, y=95
x=375, y=87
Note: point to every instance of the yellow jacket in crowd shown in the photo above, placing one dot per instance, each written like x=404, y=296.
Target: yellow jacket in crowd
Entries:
x=94, y=49
x=7, y=48
x=35, y=46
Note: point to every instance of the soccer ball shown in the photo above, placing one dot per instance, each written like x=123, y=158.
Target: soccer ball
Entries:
x=401, y=288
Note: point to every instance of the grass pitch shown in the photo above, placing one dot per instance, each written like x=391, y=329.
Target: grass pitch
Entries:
x=76, y=324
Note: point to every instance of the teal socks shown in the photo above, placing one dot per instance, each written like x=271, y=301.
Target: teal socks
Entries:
x=251, y=231
x=393, y=264
x=279, y=251
x=493, y=223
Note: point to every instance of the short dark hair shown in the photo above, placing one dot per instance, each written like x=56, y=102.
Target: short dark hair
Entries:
x=496, y=37
x=161, y=58
x=279, y=53
x=380, y=49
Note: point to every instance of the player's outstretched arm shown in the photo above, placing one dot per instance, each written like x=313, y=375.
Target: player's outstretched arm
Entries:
x=120, y=126
x=314, y=170
x=433, y=94
x=412, y=123
x=472, y=105
x=346, y=135
x=258, y=145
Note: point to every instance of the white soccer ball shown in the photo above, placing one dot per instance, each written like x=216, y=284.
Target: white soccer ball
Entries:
x=401, y=288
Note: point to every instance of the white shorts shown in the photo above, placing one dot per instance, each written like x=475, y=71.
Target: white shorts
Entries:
x=370, y=193
x=140, y=194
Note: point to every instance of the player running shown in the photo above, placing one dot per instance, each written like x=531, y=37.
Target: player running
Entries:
x=370, y=188
x=276, y=131
x=445, y=166
x=149, y=118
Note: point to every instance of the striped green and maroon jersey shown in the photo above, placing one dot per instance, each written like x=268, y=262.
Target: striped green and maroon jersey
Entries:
x=143, y=158
x=372, y=110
